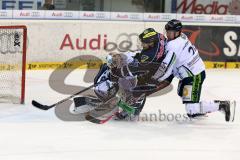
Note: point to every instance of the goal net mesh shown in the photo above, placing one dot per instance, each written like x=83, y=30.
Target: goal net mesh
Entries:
x=12, y=59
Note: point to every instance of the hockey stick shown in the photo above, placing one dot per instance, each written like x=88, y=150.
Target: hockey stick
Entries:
x=99, y=121
x=46, y=107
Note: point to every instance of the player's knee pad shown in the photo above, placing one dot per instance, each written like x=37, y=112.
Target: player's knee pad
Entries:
x=190, y=88
x=187, y=93
x=106, y=90
x=185, y=89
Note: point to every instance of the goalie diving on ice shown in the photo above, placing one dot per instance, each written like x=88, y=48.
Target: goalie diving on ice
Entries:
x=123, y=83
x=128, y=77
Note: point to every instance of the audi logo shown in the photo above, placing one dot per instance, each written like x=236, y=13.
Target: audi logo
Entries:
x=100, y=15
x=3, y=14
x=166, y=17
x=230, y=19
x=35, y=14
x=68, y=14
x=200, y=18
x=134, y=16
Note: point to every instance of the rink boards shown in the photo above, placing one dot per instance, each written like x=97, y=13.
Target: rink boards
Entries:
x=71, y=43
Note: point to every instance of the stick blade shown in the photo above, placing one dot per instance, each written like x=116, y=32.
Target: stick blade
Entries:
x=97, y=121
x=40, y=106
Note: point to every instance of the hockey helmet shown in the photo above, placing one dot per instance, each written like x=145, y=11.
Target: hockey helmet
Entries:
x=173, y=25
x=148, y=35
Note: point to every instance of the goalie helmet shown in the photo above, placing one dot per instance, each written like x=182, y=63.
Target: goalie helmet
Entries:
x=114, y=60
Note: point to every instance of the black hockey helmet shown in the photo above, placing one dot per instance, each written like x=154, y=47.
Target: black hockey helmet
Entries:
x=173, y=25
x=148, y=35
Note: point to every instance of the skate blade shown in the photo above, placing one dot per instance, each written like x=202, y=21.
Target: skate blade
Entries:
x=233, y=110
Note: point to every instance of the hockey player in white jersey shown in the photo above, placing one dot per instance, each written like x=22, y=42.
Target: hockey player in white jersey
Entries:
x=183, y=61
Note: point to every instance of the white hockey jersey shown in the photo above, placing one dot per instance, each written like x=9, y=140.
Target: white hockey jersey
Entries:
x=182, y=60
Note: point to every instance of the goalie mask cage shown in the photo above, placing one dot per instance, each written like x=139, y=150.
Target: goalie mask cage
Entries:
x=13, y=44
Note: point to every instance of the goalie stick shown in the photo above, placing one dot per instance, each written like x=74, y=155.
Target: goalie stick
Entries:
x=47, y=107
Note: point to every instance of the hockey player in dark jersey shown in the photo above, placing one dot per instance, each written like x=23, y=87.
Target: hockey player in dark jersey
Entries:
x=151, y=56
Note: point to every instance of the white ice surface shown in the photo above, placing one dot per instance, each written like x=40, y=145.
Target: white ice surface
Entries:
x=27, y=133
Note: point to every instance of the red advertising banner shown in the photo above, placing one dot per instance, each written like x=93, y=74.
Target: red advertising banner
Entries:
x=222, y=7
x=216, y=43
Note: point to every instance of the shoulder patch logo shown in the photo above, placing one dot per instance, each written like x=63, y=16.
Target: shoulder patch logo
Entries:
x=144, y=58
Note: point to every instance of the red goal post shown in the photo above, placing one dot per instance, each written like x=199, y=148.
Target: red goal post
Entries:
x=13, y=48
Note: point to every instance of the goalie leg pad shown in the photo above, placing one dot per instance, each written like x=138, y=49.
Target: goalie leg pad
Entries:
x=106, y=90
x=86, y=100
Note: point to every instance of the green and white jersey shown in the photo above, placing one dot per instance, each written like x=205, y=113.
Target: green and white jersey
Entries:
x=182, y=60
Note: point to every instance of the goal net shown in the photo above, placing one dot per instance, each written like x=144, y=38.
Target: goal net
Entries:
x=13, y=41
